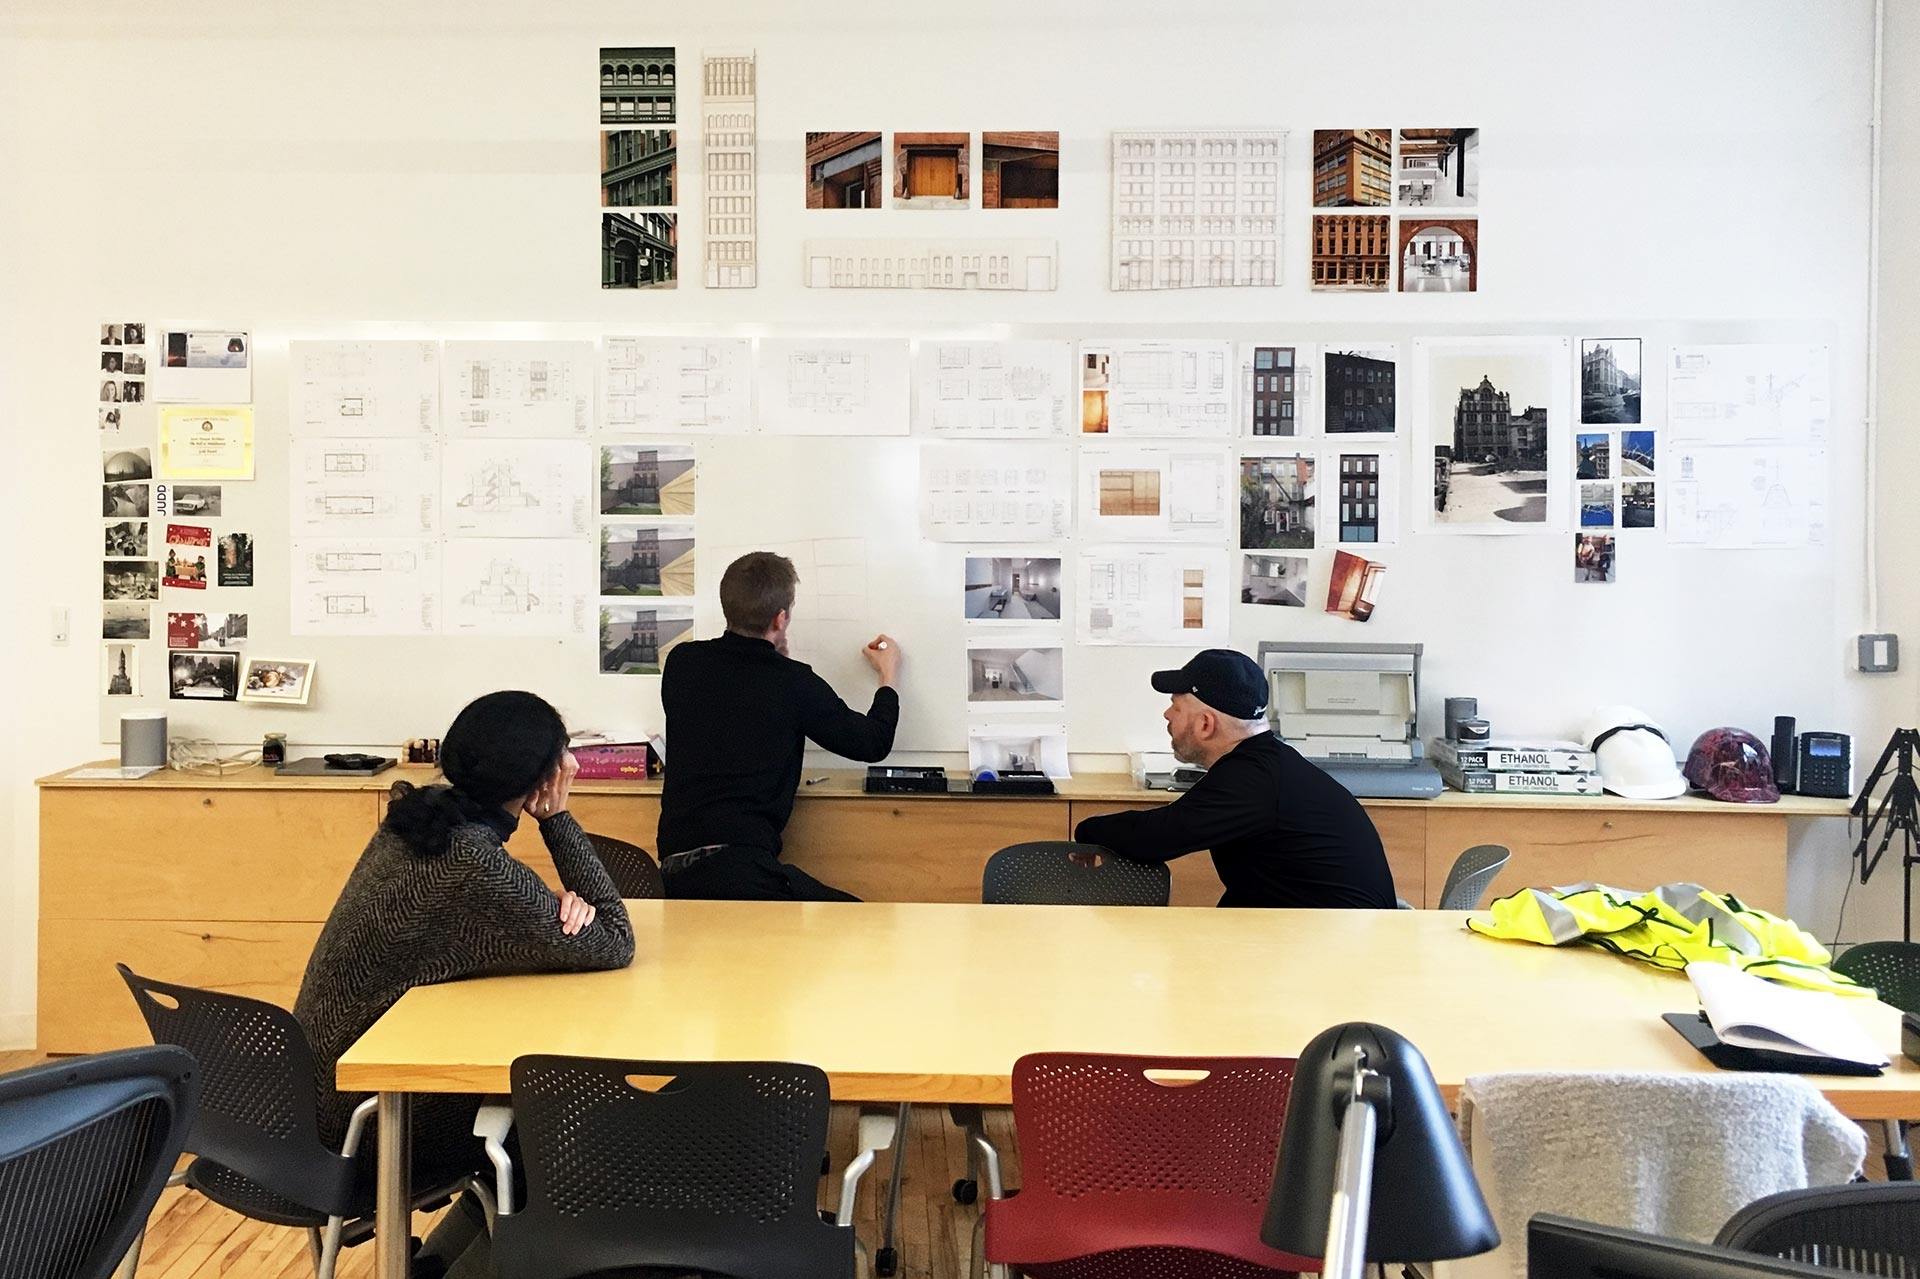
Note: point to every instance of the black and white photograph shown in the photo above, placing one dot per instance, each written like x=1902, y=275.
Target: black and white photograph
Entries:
x=1592, y=456
x=235, y=563
x=1279, y=580
x=1610, y=381
x=110, y=361
x=110, y=335
x=130, y=580
x=1358, y=390
x=110, y=419
x=1596, y=506
x=1439, y=169
x=1439, y=255
x=1016, y=675
x=125, y=620
x=1636, y=455
x=133, y=364
x=202, y=500
x=133, y=392
x=117, y=466
x=1637, y=509
x=110, y=392
x=120, y=670
x=1010, y=589
x=134, y=334
x=1277, y=495
x=123, y=501
x=1491, y=413
x=203, y=675
x=278, y=680
x=1592, y=557
x=127, y=539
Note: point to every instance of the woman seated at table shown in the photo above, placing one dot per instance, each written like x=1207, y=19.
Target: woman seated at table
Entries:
x=436, y=897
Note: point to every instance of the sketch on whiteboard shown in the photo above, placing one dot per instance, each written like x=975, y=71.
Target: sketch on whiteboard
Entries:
x=1762, y=393
x=1154, y=388
x=508, y=389
x=646, y=559
x=359, y=389
x=517, y=586
x=384, y=586
x=518, y=488
x=636, y=638
x=1154, y=186
x=364, y=487
x=946, y=262
x=992, y=390
x=702, y=385
x=1152, y=596
x=815, y=386
x=729, y=141
x=1141, y=494
x=995, y=493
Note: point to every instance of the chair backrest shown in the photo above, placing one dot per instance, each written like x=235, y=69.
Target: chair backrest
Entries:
x=259, y=1110
x=1472, y=871
x=1869, y=1228
x=1892, y=968
x=1123, y=1153
x=631, y=867
x=708, y=1166
x=1045, y=873
x=86, y=1146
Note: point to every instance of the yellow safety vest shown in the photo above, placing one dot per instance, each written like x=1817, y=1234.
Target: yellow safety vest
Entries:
x=1670, y=927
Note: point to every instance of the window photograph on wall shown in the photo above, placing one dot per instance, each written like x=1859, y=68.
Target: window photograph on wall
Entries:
x=1439, y=168
x=637, y=168
x=1352, y=253
x=1352, y=168
x=639, y=250
x=1020, y=170
x=843, y=171
x=1439, y=255
x=636, y=85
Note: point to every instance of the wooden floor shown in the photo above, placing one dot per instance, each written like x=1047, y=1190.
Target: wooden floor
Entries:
x=190, y=1238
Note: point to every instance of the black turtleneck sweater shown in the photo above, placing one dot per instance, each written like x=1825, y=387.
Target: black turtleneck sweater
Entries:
x=739, y=716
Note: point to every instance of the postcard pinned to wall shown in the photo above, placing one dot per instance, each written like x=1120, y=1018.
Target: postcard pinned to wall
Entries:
x=203, y=675
x=206, y=630
x=204, y=366
x=120, y=670
x=279, y=681
x=188, y=557
x=210, y=443
x=236, y=559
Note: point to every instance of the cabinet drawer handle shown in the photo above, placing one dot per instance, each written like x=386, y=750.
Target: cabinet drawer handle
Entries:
x=1607, y=824
x=207, y=802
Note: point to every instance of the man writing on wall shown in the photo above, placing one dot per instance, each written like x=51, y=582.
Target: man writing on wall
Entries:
x=739, y=715
x=1282, y=832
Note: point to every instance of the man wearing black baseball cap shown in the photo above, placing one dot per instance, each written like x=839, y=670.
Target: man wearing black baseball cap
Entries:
x=1282, y=832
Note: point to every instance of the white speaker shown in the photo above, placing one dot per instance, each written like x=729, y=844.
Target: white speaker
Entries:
x=143, y=739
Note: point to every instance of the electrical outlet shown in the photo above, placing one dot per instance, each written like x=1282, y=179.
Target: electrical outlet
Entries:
x=61, y=625
x=1879, y=654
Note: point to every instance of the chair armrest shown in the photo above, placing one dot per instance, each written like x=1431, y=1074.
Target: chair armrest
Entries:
x=990, y=1161
x=357, y=1126
x=492, y=1124
x=877, y=1131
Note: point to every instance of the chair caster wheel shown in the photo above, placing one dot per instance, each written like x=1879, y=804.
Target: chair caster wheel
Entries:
x=886, y=1263
x=966, y=1190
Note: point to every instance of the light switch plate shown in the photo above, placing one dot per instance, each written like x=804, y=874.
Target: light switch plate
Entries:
x=1879, y=654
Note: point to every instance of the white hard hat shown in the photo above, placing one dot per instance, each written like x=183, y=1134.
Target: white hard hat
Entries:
x=1636, y=759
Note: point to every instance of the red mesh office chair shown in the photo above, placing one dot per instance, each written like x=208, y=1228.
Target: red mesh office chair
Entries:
x=1128, y=1175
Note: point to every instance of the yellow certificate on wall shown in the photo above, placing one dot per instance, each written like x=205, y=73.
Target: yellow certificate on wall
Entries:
x=206, y=442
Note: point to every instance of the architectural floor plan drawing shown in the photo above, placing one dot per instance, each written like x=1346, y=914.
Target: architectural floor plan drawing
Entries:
x=364, y=487
x=365, y=586
x=386, y=388
x=1144, y=595
x=1138, y=494
x=1015, y=492
x=1738, y=497
x=702, y=385
x=519, y=488
x=1153, y=388
x=992, y=390
x=1197, y=209
x=1749, y=394
x=824, y=386
x=953, y=262
x=729, y=91
x=517, y=586
x=519, y=389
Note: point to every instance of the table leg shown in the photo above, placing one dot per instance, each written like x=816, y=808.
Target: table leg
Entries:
x=393, y=1220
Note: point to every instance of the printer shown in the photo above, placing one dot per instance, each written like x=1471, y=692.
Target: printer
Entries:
x=1353, y=709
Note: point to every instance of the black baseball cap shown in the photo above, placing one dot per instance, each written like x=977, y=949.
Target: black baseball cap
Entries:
x=1226, y=680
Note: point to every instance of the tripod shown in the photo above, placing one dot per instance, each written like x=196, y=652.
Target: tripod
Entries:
x=1898, y=813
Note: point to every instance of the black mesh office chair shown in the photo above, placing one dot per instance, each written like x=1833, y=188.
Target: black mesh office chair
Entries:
x=710, y=1167
x=631, y=867
x=1892, y=968
x=1868, y=1228
x=86, y=1146
x=1045, y=873
x=1472, y=871
x=256, y=1139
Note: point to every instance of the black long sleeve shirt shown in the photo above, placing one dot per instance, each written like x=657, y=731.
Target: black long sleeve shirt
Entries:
x=739, y=716
x=1283, y=833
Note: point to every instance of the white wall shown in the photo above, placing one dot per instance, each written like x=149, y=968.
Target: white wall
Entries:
x=1687, y=172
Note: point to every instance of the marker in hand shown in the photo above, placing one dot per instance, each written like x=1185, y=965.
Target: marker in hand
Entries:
x=884, y=656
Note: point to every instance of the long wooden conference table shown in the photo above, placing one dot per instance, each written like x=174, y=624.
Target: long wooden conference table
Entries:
x=934, y=1002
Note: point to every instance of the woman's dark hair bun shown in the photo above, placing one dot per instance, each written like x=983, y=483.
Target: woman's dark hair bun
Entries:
x=502, y=746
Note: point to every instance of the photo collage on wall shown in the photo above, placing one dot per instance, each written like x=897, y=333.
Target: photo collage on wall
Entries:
x=1615, y=456
x=646, y=495
x=639, y=169
x=1426, y=182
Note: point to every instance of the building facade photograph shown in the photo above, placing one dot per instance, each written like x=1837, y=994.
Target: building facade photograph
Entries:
x=930, y=171
x=1276, y=503
x=636, y=86
x=636, y=641
x=1486, y=430
x=729, y=142
x=638, y=250
x=844, y=171
x=1610, y=381
x=1196, y=210
x=637, y=168
x=1020, y=170
x=1270, y=391
x=1352, y=168
x=1359, y=393
x=1359, y=497
x=1352, y=253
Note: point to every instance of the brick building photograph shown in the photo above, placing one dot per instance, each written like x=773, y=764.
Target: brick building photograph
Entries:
x=844, y=171
x=638, y=250
x=1020, y=170
x=637, y=168
x=1352, y=253
x=1277, y=497
x=1352, y=168
x=1267, y=389
x=930, y=171
x=1359, y=392
x=1491, y=468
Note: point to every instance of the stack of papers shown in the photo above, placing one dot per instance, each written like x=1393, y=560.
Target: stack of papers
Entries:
x=1748, y=1012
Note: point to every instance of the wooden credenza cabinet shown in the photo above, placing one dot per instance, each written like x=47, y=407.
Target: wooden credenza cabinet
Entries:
x=225, y=881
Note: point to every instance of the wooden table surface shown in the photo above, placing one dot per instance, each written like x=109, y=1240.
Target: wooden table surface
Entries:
x=933, y=1002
